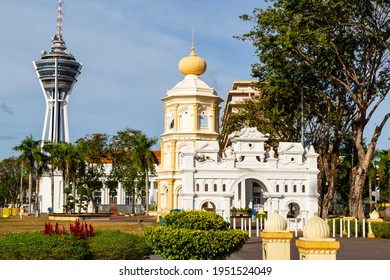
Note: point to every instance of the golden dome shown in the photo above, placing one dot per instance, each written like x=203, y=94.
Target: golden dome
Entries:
x=316, y=228
x=275, y=223
x=192, y=64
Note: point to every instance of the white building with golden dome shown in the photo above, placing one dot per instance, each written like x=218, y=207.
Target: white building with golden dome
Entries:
x=194, y=174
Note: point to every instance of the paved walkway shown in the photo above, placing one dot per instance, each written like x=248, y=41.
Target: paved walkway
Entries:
x=350, y=249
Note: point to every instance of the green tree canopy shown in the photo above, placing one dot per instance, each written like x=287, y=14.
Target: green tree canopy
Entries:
x=337, y=53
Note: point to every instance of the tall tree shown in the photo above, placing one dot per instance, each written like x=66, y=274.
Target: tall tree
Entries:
x=55, y=162
x=93, y=149
x=345, y=44
x=145, y=159
x=133, y=160
x=30, y=153
x=10, y=174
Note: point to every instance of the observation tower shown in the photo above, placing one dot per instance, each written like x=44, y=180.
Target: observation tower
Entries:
x=57, y=72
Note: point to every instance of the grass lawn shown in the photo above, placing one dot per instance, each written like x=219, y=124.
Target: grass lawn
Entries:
x=31, y=223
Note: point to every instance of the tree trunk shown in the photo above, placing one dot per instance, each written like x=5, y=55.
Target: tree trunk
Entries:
x=356, y=193
x=37, y=194
x=133, y=206
x=52, y=189
x=29, y=190
x=146, y=192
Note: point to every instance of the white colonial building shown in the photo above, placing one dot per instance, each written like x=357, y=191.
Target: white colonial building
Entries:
x=195, y=173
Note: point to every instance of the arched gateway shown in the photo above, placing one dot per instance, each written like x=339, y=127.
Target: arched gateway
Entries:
x=251, y=176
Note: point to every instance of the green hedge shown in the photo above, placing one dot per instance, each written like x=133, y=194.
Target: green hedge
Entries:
x=381, y=230
x=195, y=235
x=36, y=246
x=117, y=245
x=187, y=244
x=196, y=219
x=105, y=245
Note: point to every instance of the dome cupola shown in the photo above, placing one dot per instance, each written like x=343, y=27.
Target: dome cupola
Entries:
x=192, y=64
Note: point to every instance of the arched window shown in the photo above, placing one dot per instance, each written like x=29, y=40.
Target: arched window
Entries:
x=303, y=188
x=277, y=188
x=285, y=188
x=206, y=187
x=197, y=187
x=184, y=119
x=171, y=121
x=203, y=120
x=295, y=188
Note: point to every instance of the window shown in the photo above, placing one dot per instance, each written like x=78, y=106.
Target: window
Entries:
x=295, y=188
x=203, y=120
x=285, y=188
x=215, y=187
x=206, y=188
x=303, y=188
x=224, y=188
x=277, y=188
x=197, y=187
x=171, y=123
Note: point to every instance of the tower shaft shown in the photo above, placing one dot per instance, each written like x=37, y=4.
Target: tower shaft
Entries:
x=57, y=72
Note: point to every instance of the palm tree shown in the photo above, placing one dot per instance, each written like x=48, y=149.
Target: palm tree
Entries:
x=30, y=153
x=53, y=151
x=145, y=159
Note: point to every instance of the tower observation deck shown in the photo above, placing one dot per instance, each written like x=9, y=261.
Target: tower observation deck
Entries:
x=57, y=72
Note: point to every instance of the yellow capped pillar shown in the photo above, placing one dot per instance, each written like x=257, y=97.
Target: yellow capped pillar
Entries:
x=276, y=240
x=315, y=243
x=374, y=218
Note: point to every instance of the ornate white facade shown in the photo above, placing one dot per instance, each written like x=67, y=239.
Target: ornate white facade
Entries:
x=194, y=174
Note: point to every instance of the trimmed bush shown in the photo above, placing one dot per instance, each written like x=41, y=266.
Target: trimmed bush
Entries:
x=197, y=220
x=195, y=235
x=381, y=230
x=36, y=246
x=117, y=245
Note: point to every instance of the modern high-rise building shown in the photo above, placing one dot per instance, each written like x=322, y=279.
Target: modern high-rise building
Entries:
x=57, y=72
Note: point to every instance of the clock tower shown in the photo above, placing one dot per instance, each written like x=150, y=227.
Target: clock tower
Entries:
x=191, y=119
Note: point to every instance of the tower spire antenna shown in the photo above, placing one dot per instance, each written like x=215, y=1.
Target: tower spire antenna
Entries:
x=59, y=20
x=193, y=34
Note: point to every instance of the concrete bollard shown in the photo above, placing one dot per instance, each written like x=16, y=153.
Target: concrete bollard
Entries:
x=276, y=239
x=374, y=218
x=315, y=243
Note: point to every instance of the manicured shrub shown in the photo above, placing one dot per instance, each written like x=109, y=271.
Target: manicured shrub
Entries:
x=195, y=219
x=187, y=244
x=117, y=245
x=381, y=230
x=36, y=246
x=195, y=235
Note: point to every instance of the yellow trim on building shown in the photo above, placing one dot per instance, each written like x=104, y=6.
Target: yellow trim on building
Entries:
x=175, y=117
x=173, y=155
x=195, y=108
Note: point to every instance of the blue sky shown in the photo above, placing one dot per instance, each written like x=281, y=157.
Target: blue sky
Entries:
x=129, y=50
